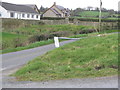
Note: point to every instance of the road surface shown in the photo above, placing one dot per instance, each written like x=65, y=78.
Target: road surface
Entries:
x=15, y=59
x=12, y=61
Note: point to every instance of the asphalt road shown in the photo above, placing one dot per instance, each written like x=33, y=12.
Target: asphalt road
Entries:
x=12, y=61
x=15, y=59
x=101, y=82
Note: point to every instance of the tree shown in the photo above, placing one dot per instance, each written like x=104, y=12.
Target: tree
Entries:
x=104, y=10
x=96, y=9
x=76, y=11
x=89, y=8
x=42, y=9
x=111, y=11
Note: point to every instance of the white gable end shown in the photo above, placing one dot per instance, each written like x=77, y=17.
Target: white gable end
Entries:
x=4, y=13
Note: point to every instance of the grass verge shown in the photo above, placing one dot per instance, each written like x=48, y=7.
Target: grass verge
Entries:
x=33, y=45
x=37, y=44
x=41, y=43
x=90, y=57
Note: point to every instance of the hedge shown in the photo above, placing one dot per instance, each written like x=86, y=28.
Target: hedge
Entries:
x=95, y=19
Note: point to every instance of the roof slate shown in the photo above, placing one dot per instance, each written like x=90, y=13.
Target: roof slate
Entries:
x=60, y=7
x=19, y=8
x=55, y=11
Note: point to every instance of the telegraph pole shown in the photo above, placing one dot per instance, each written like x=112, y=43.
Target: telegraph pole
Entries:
x=100, y=15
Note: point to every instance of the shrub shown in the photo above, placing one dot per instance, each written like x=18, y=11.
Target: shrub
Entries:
x=87, y=31
x=18, y=42
x=39, y=38
x=33, y=39
x=4, y=45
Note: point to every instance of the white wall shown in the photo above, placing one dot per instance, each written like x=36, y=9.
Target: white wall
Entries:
x=4, y=13
x=17, y=15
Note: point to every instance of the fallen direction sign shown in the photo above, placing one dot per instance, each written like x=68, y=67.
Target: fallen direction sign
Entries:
x=56, y=40
x=69, y=38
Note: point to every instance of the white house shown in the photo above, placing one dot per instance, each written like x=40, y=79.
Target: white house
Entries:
x=17, y=11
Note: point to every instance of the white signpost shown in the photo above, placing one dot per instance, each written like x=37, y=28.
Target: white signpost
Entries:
x=56, y=42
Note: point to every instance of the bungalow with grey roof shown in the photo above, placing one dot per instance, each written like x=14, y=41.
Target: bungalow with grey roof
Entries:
x=56, y=11
x=19, y=11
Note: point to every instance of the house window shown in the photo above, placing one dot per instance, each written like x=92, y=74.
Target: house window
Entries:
x=36, y=16
x=23, y=15
x=32, y=16
x=60, y=15
x=28, y=15
x=66, y=14
x=12, y=14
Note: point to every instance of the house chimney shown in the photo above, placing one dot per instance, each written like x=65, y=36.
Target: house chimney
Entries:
x=54, y=3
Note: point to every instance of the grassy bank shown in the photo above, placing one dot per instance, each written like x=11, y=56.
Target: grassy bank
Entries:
x=43, y=32
x=24, y=37
x=40, y=43
x=32, y=45
x=90, y=57
x=37, y=44
x=49, y=29
x=11, y=40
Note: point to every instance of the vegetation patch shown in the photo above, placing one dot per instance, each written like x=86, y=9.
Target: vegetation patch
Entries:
x=10, y=40
x=25, y=36
x=92, y=14
x=34, y=41
x=90, y=57
x=32, y=45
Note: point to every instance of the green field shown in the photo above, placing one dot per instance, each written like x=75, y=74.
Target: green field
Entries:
x=90, y=57
x=92, y=14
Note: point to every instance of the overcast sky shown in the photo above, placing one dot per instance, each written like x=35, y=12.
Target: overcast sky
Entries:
x=71, y=4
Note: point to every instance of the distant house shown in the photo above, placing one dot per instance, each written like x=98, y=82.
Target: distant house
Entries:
x=19, y=11
x=56, y=11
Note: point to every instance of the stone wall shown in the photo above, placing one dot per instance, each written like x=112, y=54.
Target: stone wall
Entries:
x=16, y=23
x=56, y=22
x=104, y=25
